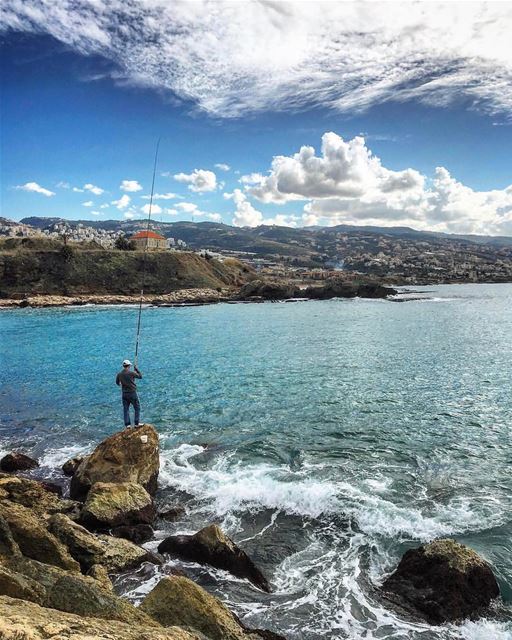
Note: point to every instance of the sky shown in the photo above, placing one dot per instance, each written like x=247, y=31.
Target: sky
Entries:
x=268, y=112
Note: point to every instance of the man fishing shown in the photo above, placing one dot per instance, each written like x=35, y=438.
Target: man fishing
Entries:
x=126, y=379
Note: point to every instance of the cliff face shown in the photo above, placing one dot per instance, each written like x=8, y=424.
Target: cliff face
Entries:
x=72, y=271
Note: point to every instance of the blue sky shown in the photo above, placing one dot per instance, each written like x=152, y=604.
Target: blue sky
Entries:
x=424, y=143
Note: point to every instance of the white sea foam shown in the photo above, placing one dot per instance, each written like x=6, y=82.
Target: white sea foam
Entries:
x=235, y=486
x=485, y=630
x=55, y=458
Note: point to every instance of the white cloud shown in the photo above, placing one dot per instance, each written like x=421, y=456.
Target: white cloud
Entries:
x=78, y=190
x=231, y=58
x=222, y=166
x=104, y=206
x=346, y=183
x=245, y=214
x=200, y=180
x=63, y=185
x=155, y=209
x=122, y=203
x=129, y=215
x=161, y=196
x=193, y=210
x=97, y=191
x=130, y=186
x=35, y=188
x=89, y=203
x=96, y=213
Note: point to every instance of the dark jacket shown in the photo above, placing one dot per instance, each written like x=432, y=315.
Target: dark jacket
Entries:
x=127, y=380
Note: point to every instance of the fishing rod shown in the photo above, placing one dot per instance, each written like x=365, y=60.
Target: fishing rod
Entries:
x=137, y=339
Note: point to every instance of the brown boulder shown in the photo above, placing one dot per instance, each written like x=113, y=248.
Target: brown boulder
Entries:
x=121, y=554
x=442, y=581
x=33, y=539
x=21, y=620
x=69, y=467
x=212, y=546
x=33, y=495
x=131, y=455
x=138, y=533
x=16, y=461
x=83, y=546
x=176, y=600
x=117, y=504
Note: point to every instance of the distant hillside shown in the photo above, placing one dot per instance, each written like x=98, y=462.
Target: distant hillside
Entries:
x=69, y=271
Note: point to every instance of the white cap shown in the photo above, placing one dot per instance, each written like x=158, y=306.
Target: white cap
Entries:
x=126, y=363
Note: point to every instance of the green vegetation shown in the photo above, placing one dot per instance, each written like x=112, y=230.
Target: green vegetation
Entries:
x=48, y=267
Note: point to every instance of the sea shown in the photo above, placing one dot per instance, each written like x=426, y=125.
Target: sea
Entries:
x=325, y=437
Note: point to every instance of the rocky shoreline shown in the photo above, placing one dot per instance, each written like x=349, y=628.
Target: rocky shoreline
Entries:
x=58, y=555
x=255, y=291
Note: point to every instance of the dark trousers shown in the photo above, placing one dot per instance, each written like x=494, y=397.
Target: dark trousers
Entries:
x=131, y=399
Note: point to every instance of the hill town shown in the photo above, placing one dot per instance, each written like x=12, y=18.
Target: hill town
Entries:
x=393, y=255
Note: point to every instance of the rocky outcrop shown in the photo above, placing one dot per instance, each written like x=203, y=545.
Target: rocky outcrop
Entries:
x=21, y=620
x=121, y=555
x=266, y=290
x=17, y=462
x=111, y=504
x=33, y=539
x=70, y=466
x=34, y=496
x=178, y=600
x=91, y=550
x=131, y=455
x=337, y=288
x=171, y=514
x=442, y=581
x=212, y=546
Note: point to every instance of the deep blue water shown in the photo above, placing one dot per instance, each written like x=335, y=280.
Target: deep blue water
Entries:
x=325, y=437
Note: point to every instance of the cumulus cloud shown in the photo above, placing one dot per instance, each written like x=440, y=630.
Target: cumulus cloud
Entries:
x=97, y=191
x=130, y=186
x=77, y=190
x=200, y=180
x=346, y=183
x=155, y=209
x=245, y=214
x=222, y=166
x=89, y=203
x=230, y=58
x=122, y=203
x=34, y=187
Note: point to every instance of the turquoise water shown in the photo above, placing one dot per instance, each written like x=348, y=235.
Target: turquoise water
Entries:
x=325, y=437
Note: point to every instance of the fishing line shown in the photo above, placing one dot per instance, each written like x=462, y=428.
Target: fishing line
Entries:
x=144, y=256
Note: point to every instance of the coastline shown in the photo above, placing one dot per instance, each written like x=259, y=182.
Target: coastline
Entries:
x=179, y=297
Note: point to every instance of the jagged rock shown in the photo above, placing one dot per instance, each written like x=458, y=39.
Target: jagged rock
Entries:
x=34, y=496
x=69, y=467
x=178, y=600
x=76, y=594
x=212, y=546
x=442, y=581
x=121, y=554
x=16, y=585
x=33, y=538
x=21, y=620
x=83, y=546
x=137, y=534
x=131, y=455
x=172, y=514
x=92, y=550
x=267, y=290
x=113, y=505
x=8, y=546
x=100, y=574
x=52, y=487
x=16, y=461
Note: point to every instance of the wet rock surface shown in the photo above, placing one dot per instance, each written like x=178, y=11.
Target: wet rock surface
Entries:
x=442, y=581
x=17, y=462
x=212, y=546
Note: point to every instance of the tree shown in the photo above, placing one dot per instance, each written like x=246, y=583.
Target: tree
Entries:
x=123, y=244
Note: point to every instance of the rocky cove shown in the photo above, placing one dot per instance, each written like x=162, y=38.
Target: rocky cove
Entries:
x=61, y=546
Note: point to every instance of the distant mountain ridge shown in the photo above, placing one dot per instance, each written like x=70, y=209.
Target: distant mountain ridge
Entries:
x=193, y=232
